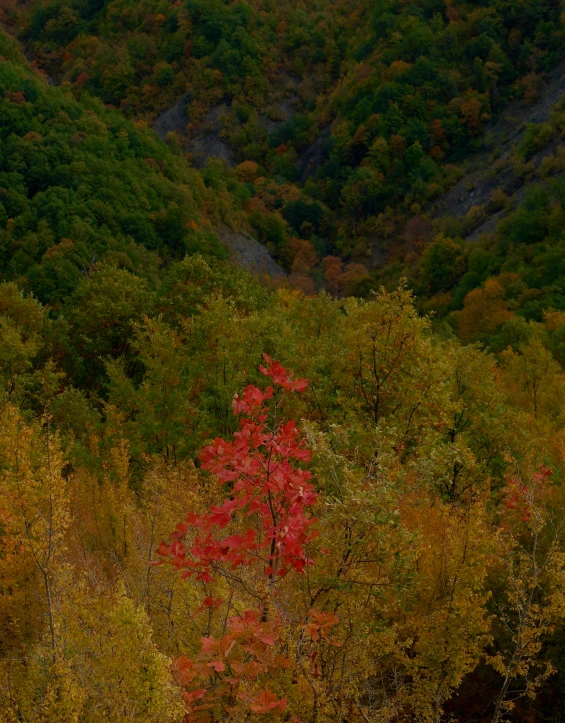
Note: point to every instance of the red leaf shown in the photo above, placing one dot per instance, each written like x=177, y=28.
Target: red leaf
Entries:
x=266, y=702
x=218, y=665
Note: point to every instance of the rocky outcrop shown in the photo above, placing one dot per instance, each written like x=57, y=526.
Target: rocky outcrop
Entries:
x=492, y=168
x=315, y=156
x=207, y=143
x=249, y=253
x=174, y=119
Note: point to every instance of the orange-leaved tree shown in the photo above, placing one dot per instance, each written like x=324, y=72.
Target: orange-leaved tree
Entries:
x=243, y=552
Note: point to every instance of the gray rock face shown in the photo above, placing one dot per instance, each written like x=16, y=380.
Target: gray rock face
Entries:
x=244, y=250
x=249, y=253
x=315, y=156
x=209, y=142
x=173, y=119
x=485, y=176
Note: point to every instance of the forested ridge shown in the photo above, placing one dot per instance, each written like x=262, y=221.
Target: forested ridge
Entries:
x=332, y=496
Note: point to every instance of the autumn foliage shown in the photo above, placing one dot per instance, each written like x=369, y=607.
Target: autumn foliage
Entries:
x=269, y=497
x=264, y=483
x=406, y=530
x=371, y=528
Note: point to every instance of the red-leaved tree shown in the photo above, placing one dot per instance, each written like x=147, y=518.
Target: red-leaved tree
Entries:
x=250, y=544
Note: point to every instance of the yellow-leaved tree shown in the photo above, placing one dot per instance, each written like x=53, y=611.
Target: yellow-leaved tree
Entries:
x=73, y=649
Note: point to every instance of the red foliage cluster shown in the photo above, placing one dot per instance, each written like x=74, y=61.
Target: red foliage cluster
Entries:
x=269, y=494
x=521, y=497
x=266, y=483
x=245, y=652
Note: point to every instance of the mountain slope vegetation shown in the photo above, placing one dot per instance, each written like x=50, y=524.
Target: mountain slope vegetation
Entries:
x=337, y=496
x=81, y=184
x=348, y=121
x=406, y=87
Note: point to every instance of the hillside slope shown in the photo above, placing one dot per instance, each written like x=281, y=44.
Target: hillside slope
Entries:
x=81, y=185
x=347, y=136
x=364, y=111
x=511, y=157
